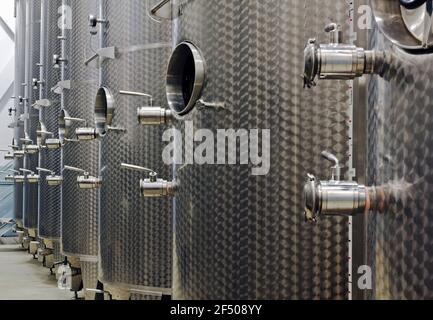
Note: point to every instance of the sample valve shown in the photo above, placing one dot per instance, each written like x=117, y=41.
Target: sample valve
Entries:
x=52, y=179
x=335, y=60
x=8, y=156
x=8, y=177
x=31, y=177
x=150, y=115
x=153, y=187
x=58, y=60
x=36, y=83
x=86, y=181
x=18, y=177
x=333, y=197
x=29, y=147
x=93, y=22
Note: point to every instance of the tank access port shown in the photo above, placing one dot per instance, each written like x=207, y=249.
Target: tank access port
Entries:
x=65, y=124
x=104, y=113
x=149, y=114
x=336, y=197
x=8, y=177
x=186, y=75
x=31, y=149
x=42, y=135
x=335, y=60
x=53, y=144
x=153, y=187
x=86, y=181
x=406, y=23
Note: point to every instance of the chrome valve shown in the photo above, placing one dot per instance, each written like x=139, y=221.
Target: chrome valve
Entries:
x=149, y=114
x=8, y=156
x=335, y=60
x=18, y=177
x=36, y=83
x=86, y=181
x=153, y=187
x=154, y=115
x=31, y=177
x=18, y=154
x=58, y=60
x=52, y=179
x=333, y=197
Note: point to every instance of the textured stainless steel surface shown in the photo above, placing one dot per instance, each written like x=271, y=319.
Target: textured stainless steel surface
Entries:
x=400, y=159
x=58, y=257
x=409, y=29
x=135, y=233
x=49, y=201
x=89, y=272
x=243, y=237
x=31, y=191
x=20, y=45
x=79, y=207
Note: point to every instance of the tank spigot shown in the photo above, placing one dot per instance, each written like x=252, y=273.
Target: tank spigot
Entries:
x=58, y=60
x=153, y=187
x=86, y=134
x=53, y=144
x=18, y=154
x=335, y=60
x=36, y=83
x=154, y=116
x=52, y=179
x=31, y=177
x=8, y=156
x=86, y=181
x=31, y=149
x=333, y=197
x=18, y=177
x=149, y=114
x=94, y=21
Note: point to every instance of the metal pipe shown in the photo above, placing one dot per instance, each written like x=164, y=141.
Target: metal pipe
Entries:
x=75, y=169
x=45, y=170
x=136, y=168
x=137, y=94
x=27, y=171
x=75, y=119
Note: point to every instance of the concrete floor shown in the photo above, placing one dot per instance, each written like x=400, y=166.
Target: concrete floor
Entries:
x=23, y=278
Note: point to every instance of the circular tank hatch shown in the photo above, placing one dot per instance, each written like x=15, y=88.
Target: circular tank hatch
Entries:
x=402, y=25
x=64, y=125
x=104, y=110
x=41, y=134
x=185, y=78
